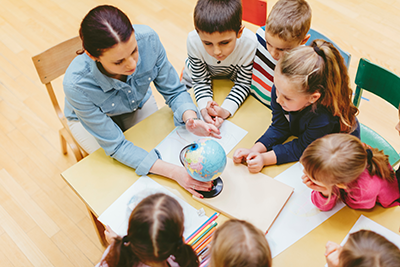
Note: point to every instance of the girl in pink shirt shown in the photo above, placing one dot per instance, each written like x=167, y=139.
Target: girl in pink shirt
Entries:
x=339, y=166
x=154, y=237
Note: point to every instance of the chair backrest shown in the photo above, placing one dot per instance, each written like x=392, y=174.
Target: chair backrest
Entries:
x=254, y=11
x=53, y=63
x=316, y=35
x=378, y=81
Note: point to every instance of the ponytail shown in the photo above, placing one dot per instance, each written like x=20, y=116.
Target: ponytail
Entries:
x=185, y=256
x=378, y=164
x=120, y=254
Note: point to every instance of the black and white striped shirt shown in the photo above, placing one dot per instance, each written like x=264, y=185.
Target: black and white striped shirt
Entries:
x=238, y=66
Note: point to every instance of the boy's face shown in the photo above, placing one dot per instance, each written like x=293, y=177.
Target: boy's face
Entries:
x=220, y=44
x=277, y=46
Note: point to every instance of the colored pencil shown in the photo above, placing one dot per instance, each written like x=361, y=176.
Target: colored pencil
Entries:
x=206, y=257
x=204, y=250
x=203, y=253
x=202, y=233
x=203, y=239
x=205, y=263
x=204, y=245
x=212, y=218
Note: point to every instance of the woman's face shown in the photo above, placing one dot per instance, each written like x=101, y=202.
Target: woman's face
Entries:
x=121, y=59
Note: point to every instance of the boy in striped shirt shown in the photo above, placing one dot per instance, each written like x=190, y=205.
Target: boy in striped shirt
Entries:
x=219, y=47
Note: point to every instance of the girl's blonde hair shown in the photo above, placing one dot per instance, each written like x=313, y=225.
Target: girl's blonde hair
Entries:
x=323, y=72
x=340, y=158
x=366, y=248
x=238, y=244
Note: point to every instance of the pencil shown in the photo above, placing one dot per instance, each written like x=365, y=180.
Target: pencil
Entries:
x=205, y=263
x=203, y=254
x=202, y=233
x=203, y=239
x=212, y=218
x=204, y=245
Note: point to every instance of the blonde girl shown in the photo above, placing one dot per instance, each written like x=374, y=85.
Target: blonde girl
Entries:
x=154, y=237
x=340, y=166
x=311, y=97
x=238, y=244
x=363, y=249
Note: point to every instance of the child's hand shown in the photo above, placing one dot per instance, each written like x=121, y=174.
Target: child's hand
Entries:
x=207, y=118
x=201, y=128
x=332, y=254
x=110, y=235
x=240, y=155
x=215, y=110
x=255, y=162
x=310, y=184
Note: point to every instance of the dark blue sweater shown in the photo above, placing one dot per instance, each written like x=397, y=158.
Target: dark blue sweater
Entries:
x=306, y=124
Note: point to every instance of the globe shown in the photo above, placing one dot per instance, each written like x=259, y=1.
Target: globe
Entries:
x=204, y=160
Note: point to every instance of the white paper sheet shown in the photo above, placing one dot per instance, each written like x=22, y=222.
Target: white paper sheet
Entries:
x=172, y=145
x=117, y=215
x=299, y=216
x=364, y=223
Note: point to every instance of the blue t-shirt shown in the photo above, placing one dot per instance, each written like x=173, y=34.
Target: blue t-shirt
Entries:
x=91, y=97
x=307, y=125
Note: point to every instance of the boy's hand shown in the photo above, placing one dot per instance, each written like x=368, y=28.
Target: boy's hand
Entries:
x=240, y=155
x=207, y=118
x=201, y=128
x=110, y=235
x=255, y=162
x=215, y=110
x=332, y=254
x=310, y=184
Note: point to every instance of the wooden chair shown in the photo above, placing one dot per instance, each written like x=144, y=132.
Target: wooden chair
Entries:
x=386, y=85
x=50, y=65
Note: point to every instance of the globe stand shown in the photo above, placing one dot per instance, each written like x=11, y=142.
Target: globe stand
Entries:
x=218, y=185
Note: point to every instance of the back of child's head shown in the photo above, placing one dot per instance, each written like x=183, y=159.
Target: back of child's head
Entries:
x=102, y=28
x=239, y=244
x=290, y=20
x=218, y=16
x=320, y=68
x=340, y=159
x=155, y=232
x=369, y=249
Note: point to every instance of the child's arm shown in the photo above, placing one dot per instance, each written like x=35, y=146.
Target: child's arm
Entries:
x=320, y=195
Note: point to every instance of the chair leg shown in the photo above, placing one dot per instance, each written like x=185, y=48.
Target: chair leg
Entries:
x=63, y=143
x=71, y=142
x=99, y=227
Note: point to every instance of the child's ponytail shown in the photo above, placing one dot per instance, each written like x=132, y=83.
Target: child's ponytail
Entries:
x=378, y=164
x=120, y=254
x=185, y=256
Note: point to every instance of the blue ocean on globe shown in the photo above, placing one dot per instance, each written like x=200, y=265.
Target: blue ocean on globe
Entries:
x=205, y=160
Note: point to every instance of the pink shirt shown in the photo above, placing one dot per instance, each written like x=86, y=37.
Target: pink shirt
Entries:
x=363, y=193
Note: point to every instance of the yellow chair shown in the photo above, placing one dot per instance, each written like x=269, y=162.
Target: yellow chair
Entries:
x=50, y=65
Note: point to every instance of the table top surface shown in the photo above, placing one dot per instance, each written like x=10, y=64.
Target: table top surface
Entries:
x=99, y=180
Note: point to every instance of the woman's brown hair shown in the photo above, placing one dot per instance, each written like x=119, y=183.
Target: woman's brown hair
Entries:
x=154, y=234
x=366, y=249
x=238, y=244
x=320, y=68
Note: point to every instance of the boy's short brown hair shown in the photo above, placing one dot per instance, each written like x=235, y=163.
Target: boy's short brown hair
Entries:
x=218, y=15
x=289, y=19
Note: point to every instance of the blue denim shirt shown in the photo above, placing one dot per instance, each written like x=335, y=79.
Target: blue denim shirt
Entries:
x=91, y=97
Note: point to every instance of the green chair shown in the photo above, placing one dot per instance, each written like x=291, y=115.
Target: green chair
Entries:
x=384, y=84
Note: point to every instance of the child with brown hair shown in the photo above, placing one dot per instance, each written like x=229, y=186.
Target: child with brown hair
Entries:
x=154, y=237
x=238, y=243
x=311, y=98
x=286, y=28
x=363, y=249
x=340, y=166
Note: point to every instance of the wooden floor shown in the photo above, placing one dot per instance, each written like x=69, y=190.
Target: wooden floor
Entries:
x=42, y=221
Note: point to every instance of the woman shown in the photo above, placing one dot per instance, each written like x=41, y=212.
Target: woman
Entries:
x=107, y=91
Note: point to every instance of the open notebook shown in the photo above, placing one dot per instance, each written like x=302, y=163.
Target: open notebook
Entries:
x=256, y=198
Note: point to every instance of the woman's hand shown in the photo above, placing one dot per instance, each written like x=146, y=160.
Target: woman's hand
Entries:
x=310, y=184
x=110, y=235
x=201, y=128
x=332, y=254
x=181, y=176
